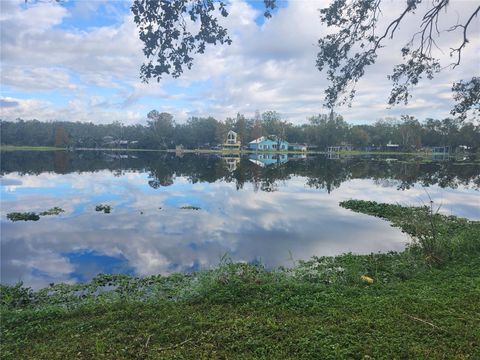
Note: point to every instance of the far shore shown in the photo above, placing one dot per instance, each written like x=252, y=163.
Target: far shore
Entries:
x=213, y=151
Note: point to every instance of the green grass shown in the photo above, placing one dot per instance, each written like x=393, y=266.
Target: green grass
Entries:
x=29, y=148
x=379, y=152
x=319, y=309
x=211, y=151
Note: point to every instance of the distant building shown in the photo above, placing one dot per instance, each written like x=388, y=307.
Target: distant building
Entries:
x=297, y=147
x=440, y=150
x=392, y=147
x=268, y=144
x=232, y=142
x=110, y=141
x=107, y=139
x=342, y=147
x=441, y=153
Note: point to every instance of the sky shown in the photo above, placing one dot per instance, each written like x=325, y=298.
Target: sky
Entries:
x=80, y=61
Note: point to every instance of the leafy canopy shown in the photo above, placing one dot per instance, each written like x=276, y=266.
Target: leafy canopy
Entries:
x=173, y=31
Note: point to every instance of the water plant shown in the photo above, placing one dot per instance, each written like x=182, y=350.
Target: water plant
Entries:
x=103, y=207
x=32, y=216
x=23, y=216
x=53, y=211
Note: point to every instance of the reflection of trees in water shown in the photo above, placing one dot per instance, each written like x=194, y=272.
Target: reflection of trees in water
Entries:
x=320, y=172
x=61, y=162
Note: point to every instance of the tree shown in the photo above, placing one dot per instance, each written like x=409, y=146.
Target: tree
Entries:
x=326, y=130
x=166, y=30
x=161, y=126
x=345, y=54
x=272, y=124
x=257, y=130
x=359, y=137
x=61, y=137
x=169, y=43
x=410, y=131
x=241, y=128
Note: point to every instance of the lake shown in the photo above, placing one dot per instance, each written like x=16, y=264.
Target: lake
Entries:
x=273, y=209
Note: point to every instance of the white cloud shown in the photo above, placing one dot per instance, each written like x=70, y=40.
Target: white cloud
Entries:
x=269, y=66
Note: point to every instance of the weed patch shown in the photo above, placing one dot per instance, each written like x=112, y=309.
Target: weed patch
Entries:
x=103, y=207
x=32, y=216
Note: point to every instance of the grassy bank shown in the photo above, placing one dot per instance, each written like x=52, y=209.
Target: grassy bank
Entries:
x=29, y=148
x=418, y=304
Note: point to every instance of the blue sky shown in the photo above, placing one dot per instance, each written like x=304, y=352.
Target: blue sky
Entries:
x=80, y=61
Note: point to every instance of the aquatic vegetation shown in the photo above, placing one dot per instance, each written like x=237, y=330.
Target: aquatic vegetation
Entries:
x=436, y=236
x=53, y=211
x=102, y=207
x=190, y=207
x=23, y=216
x=32, y=216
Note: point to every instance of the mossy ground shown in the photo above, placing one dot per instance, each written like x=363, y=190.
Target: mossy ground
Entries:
x=319, y=309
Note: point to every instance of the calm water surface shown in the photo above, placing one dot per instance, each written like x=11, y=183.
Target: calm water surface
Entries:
x=258, y=208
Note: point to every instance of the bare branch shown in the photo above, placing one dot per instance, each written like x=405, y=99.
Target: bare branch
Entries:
x=465, y=39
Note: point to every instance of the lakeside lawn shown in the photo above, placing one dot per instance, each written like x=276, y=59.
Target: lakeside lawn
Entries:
x=29, y=148
x=211, y=151
x=422, y=303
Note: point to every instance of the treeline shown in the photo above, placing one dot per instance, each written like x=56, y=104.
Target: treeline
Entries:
x=162, y=132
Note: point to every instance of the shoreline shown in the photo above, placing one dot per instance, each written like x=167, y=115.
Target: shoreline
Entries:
x=222, y=152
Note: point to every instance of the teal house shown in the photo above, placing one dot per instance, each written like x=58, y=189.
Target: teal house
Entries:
x=272, y=143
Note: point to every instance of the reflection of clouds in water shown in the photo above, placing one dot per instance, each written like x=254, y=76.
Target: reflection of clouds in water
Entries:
x=9, y=184
x=247, y=225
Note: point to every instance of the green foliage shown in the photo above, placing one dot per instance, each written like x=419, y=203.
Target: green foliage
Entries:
x=53, y=211
x=16, y=296
x=167, y=30
x=103, y=207
x=32, y=216
x=25, y=216
x=322, y=130
x=358, y=35
x=172, y=32
x=438, y=237
x=242, y=311
x=467, y=96
x=161, y=128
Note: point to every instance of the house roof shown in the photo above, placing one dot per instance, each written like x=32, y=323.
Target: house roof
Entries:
x=264, y=138
x=259, y=140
